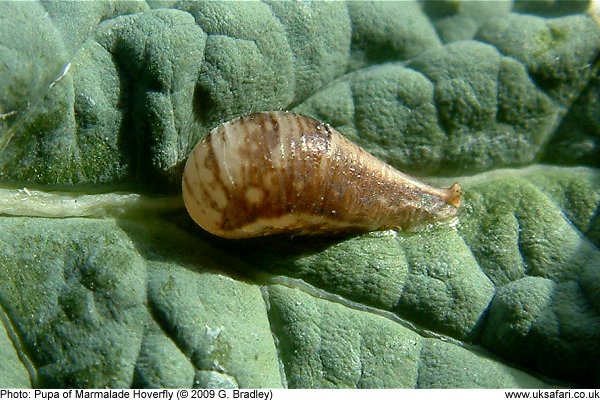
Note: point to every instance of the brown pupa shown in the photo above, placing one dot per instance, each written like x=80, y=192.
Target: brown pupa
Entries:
x=279, y=172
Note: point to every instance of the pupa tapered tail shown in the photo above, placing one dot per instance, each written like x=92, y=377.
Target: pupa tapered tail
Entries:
x=279, y=172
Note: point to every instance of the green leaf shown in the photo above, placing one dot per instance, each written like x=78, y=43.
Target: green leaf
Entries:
x=105, y=281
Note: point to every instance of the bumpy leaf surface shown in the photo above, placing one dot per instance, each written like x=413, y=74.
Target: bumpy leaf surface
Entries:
x=106, y=282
